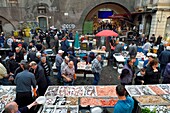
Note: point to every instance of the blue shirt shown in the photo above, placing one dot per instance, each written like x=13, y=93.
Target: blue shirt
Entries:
x=24, y=80
x=124, y=106
x=58, y=60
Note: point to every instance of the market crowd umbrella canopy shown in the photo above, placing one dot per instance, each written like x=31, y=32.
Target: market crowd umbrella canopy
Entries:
x=106, y=33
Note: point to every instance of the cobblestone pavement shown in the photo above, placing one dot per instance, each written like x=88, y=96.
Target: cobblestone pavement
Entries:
x=109, y=76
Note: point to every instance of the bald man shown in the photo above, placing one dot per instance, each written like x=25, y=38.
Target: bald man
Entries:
x=96, y=69
x=68, y=74
x=12, y=107
x=65, y=63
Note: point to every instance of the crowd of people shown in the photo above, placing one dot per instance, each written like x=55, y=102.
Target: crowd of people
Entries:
x=155, y=70
x=35, y=69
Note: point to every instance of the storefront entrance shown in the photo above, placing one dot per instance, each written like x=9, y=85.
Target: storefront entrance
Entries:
x=42, y=23
x=99, y=18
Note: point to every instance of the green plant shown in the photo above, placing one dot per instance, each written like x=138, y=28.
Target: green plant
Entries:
x=146, y=110
x=154, y=110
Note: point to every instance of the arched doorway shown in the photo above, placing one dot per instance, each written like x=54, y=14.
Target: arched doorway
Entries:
x=41, y=11
x=6, y=25
x=43, y=22
x=148, y=19
x=167, y=28
x=100, y=14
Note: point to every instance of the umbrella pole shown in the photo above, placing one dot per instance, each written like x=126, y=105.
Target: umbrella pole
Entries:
x=107, y=42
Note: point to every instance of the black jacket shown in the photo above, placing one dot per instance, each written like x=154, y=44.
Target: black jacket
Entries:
x=49, y=66
x=139, y=78
x=31, y=56
x=12, y=65
x=19, y=56
x=151, y=77
x=164, y=57
x=14, y=45
x=40, y=77
x=18, y=70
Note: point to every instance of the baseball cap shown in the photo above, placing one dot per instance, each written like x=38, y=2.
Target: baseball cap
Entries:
x=19, y=45
x=60, y=51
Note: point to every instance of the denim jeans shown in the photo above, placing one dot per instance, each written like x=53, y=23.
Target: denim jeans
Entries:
x=145, y=52
x=59, y=74
x=48, y=80
x=68, y=83
x=162, y=68
x=2, y=45
x=5, y=81
x=96, y=78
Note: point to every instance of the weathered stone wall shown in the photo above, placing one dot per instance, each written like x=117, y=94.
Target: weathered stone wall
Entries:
x=77, y=10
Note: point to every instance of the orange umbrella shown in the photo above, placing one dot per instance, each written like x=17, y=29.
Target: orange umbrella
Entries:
x=106, y=33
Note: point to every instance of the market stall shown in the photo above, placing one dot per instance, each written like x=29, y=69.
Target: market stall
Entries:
x=5, y=51
x=121, y=58
x=7, y=94
x=70, y=98
x=61, y=99
x=150, y=98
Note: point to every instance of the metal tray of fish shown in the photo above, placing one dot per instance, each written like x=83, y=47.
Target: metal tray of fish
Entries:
x=52, y=91
x=49, y=109
x=165, y=87
x=64, y=109
x=145, y=90
x=133, y=91
x=90, y=91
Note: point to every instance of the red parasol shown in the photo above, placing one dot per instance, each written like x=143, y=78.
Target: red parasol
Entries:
x=107, y=33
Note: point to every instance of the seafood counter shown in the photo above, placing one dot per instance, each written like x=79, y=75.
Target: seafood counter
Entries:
x=151, y=98
x=60, y=99
x=63, y=99
x=7, y=94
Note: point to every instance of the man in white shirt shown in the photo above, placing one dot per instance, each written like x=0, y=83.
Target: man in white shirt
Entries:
x=146, y=47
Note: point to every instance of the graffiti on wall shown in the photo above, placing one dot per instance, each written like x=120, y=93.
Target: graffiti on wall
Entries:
x=28, y=24
x=68, y=26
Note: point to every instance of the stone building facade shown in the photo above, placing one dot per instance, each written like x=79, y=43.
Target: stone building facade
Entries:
x=67, y=13
x=155, y=16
